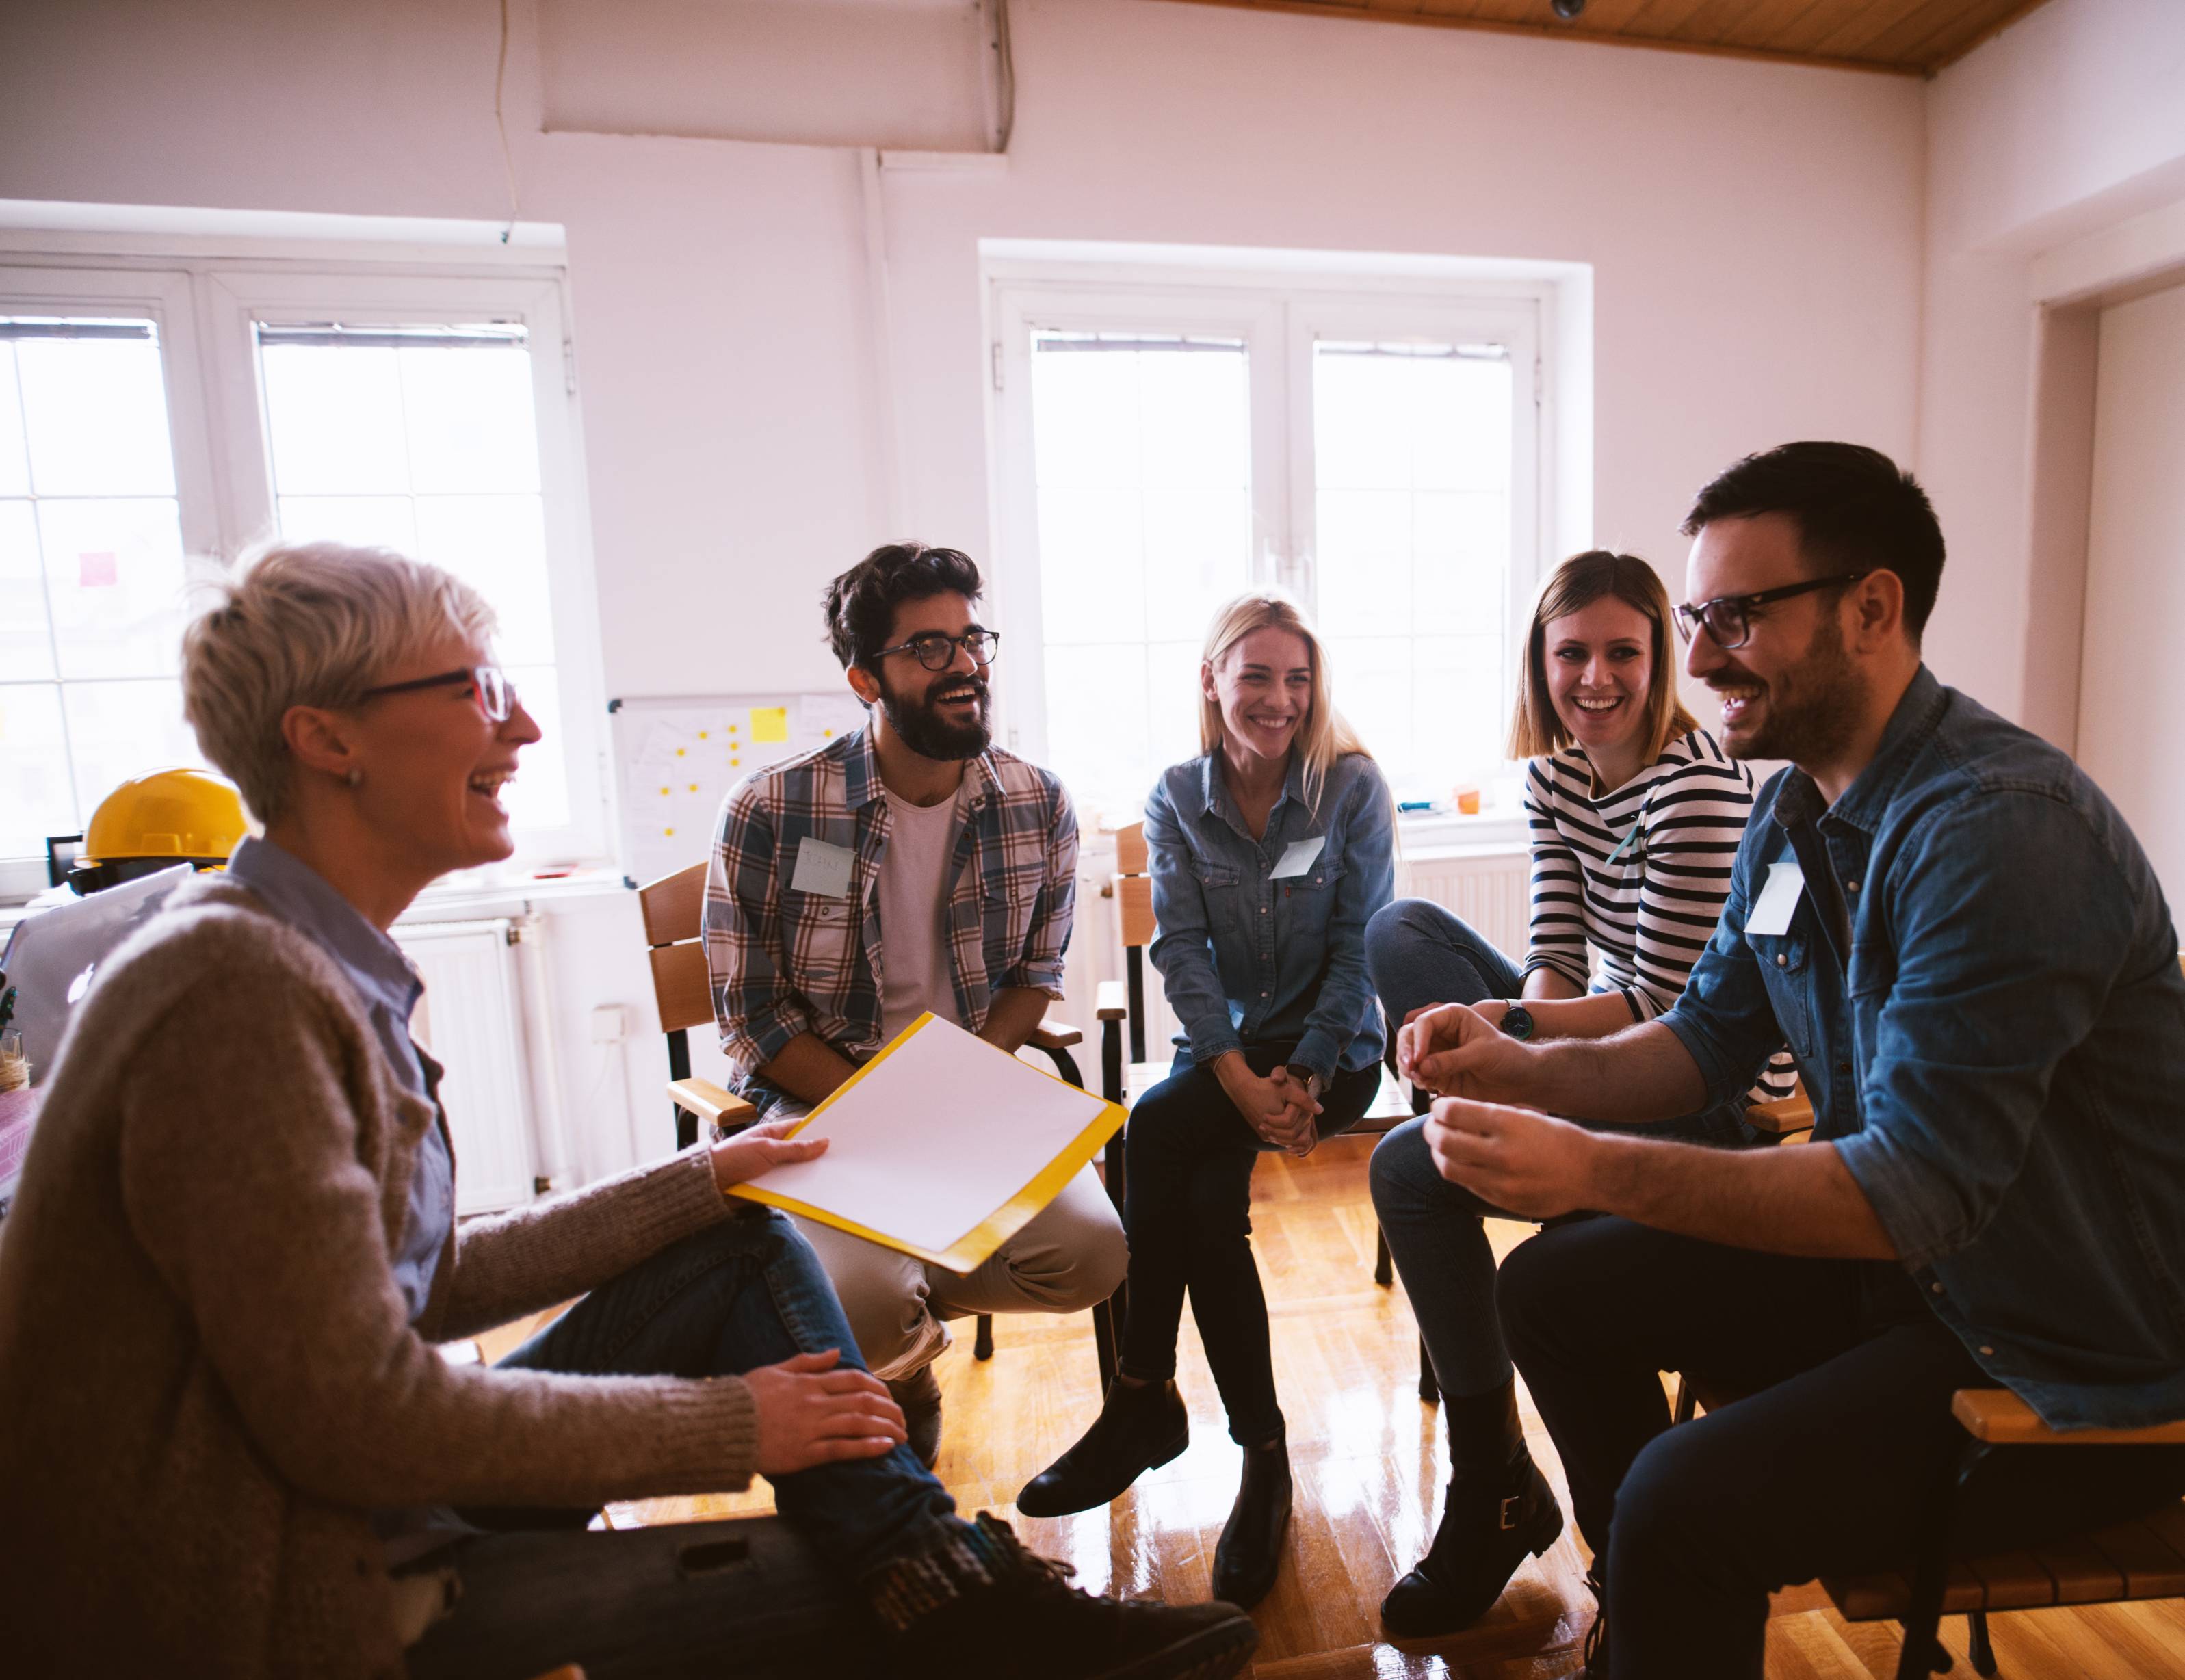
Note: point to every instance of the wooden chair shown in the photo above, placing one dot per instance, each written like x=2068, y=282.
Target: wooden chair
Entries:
x=673, y=908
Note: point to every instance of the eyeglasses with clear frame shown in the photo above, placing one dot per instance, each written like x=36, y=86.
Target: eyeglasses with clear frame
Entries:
x=1727, y=619
x=496, y=694
x=937, y=652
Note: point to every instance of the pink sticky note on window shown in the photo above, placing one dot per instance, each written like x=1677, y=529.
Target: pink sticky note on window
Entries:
x=97, y=570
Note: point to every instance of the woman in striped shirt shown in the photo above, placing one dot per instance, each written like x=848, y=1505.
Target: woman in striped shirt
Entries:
x=1636, y=815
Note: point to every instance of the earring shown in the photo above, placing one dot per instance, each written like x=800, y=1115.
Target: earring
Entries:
x=356, y=779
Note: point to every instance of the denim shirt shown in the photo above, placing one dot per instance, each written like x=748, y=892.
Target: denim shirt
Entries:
x=1248, y=959
x=1995, y=1044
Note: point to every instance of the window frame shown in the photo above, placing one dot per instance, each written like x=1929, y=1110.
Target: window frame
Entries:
x=1281, y=310
x=206, y=295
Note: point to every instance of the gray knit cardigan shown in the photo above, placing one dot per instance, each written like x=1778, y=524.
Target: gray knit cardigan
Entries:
x=208, y=1377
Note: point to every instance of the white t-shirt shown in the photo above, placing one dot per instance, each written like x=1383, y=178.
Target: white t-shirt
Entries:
x=915, y=972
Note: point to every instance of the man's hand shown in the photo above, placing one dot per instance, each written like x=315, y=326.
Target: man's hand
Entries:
x=1524, y=1161
x=756, y=1148
x=811, y=1413
x=1457, y=1051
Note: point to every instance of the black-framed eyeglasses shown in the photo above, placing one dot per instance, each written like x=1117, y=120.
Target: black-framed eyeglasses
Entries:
x=937, y=652
x=1728, y=619
x=496, y=694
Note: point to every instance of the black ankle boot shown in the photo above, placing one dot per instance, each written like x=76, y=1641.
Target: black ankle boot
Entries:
x=1596, y=1637
x=1499, y=1509
x=1139, y=1428
x=1250, y=1550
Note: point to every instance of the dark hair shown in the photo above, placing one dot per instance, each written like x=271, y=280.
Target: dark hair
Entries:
x=1853, y=508
x=861, y=603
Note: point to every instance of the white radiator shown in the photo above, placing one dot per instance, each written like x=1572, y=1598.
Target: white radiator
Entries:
x=1491, y=891
x=482, y=1010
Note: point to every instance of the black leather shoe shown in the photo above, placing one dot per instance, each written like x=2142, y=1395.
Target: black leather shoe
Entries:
x=1139, y=1428
x=1499, y=1509
x=1596, y=1637
x=1250, y=1551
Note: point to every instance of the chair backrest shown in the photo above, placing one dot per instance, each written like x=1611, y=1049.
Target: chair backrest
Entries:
x=1133, y=887
x=673, y=907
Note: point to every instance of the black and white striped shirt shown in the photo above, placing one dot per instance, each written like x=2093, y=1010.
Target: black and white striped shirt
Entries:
x=1639, y=875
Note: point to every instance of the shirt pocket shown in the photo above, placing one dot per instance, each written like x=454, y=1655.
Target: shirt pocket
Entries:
x=1214, y=876
x=1304, y=903
x=826, y=944
x=1785, y=960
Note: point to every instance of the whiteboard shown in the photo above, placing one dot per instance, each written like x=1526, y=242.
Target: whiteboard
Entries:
x=676, y=758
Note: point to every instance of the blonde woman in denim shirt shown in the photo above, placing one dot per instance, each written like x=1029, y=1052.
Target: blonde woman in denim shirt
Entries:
x=1270, y=852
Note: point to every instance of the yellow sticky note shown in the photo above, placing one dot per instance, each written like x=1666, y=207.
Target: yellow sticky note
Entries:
x=769, y=722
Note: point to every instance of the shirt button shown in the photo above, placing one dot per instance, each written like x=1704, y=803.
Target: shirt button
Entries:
x=1936, y=1287
x=1263, y=909
x=1986, y=1352
x=1845, y=1068
x=1782, y=960
x=1263, y=994
x=1851, y=886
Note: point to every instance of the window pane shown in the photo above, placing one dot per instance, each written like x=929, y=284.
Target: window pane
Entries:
x=26, y=644
x=471, y=425
x=1143, y=467
x=334, y=420
x=118, y=730
x=1412, y=451
x=95, y=408
x=498, y=545
x=360, y=522
x=14, y=451
x=115, y=579
x=36, y=797
x=539, y=798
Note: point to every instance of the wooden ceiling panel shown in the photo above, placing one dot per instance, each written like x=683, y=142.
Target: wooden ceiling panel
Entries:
x=1908, y=37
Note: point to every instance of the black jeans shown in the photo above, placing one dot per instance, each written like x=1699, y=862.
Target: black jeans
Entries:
x=1833, y=1466
x=1188, y=1156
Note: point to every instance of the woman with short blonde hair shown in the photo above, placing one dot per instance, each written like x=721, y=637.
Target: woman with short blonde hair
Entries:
x=1635, y=814
x=239, y=1211
x=1270, y=851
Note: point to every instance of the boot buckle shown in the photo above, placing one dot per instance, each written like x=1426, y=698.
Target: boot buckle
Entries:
x=1509, y=1510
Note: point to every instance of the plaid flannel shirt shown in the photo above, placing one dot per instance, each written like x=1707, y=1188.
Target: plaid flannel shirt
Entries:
x=783, y=961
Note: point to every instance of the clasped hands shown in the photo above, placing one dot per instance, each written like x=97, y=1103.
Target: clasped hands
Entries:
x=1276, y=1106
x=1521, y=1160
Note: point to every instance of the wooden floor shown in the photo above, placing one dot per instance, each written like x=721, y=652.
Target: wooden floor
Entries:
x=1369, y=1460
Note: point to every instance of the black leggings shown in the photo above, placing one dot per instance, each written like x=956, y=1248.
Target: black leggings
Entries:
x=1188, y=1156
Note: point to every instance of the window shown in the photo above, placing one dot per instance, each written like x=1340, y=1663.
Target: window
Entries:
x=1165, y=439
x=430, y=415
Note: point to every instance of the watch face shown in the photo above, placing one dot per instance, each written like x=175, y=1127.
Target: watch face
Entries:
x=1518, y=1021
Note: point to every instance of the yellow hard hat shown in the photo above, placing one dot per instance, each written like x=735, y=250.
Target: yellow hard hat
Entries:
x=157, y=821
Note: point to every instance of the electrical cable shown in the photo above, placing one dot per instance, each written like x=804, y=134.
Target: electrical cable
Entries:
x=500, y=122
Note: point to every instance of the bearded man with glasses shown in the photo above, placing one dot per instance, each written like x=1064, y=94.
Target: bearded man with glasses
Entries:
x=1973, y=965
x=910, y=866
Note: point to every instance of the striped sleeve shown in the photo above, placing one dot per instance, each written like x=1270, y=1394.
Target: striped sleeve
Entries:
x=1695, y=819
x=1557, y=938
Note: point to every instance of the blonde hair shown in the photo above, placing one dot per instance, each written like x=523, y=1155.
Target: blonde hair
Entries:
x=308, y=624
x=1535, y=730
x=1324, y=736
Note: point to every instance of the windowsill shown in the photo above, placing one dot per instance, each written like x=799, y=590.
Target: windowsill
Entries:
x=1442, y=834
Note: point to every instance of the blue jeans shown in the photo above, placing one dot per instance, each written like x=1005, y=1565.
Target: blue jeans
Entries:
x=1418, y=954
x=761, y=1597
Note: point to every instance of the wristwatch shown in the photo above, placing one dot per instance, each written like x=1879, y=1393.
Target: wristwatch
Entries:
x=1305, y=1077
x=1518, y=1021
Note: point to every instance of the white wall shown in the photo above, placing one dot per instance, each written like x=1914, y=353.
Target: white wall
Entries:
x=2069, y=122
x=1754, y=229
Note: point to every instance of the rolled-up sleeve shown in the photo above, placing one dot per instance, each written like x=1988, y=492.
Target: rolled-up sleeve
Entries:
x=1989, y=991
x=1368, y=881
x=756, y=1009
x=1723, y=1017
x=1039, y=967
x=1183, y=952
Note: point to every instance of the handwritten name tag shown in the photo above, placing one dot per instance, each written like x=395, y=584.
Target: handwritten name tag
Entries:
x=822, y=868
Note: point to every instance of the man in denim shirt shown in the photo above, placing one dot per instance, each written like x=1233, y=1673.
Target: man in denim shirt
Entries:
x=1974, y=964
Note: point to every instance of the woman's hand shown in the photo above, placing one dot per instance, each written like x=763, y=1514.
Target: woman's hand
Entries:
x=1277, y=1107
x=756, y=1148
x=1455, y=1050
x=813, y=1411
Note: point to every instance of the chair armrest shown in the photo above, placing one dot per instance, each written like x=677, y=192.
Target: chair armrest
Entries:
x=709, y=1102
x=1782, y=1116
x=2000, y=1418
x=1055, y=1034
x=1113, y=1001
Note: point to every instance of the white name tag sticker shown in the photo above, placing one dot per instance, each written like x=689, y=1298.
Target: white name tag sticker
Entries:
x=822, y=868
x=1772, y=910
x=1297, y=857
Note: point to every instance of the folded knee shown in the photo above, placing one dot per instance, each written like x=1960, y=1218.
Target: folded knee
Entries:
x=1400, y=1168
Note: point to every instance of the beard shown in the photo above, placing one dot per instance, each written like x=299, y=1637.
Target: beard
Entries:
x=919, y=724
x=1812, y=712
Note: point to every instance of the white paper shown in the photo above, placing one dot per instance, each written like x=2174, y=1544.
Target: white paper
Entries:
x=822, y=868
x=938, y=1137
x=1298, y=855
x=1772, y=910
